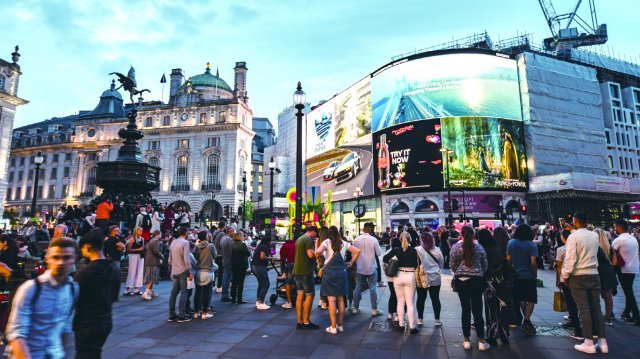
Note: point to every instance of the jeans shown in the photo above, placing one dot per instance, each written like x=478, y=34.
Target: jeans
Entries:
x=630, y=304
x=585, y=290
x=263, y=281
x=89, y=341
x=226, y=280
x=179, y=287
x=202, y=297
x=362, y=281
x=572, y=308
x=470, y=292
x=434, y=293
x=405, y=286
x=393, y=299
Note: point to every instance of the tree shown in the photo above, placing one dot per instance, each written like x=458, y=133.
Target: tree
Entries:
x=248, y=211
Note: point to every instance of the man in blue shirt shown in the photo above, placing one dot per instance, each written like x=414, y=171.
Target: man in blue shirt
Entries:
x=43, y=307
x=522, y=254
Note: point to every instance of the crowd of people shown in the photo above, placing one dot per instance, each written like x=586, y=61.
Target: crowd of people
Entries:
x=494, y=275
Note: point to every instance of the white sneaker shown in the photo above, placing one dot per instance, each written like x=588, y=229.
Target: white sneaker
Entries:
x=604, y=348
x=287, y=305
x=376, y=313
x=395, y=317
x=262, y=306
x=466, y=345
x=419, y=322
x=355, y=311
x=340, y=329
x=146, y=296
x=197, y=315
x=482, y=346
x=154, y=294
x=585, y=348
x=332, y=330
x=206, y=315
x=389, y=316
x=218, y=290
x=438, y=323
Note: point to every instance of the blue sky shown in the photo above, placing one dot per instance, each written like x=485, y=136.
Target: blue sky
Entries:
x=69, y=47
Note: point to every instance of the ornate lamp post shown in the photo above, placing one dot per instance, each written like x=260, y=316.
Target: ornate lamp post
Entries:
x=299, y=99
x=357, y=194
x=38, y=160
x=244, y=199
x=446, y=152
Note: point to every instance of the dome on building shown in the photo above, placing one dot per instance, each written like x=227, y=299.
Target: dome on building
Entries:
x=112, y=92
x=207, y=79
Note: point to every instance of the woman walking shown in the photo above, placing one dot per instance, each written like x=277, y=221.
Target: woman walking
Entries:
x=135, y=248
x=405, y=283
x=239, y=264
x=468, y=264
x=205, y=253
x=494, y=294
x=259, y=262
x=334, y=278
x=607, y=275
x=432, y=262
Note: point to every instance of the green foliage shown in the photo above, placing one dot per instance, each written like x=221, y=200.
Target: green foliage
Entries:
x=11, y=215
x=248, y=211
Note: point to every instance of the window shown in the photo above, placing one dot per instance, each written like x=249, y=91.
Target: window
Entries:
x=614, y=90
x=52, y=191
x=30, y=175
x=54, y=173
x=55, y=157
x=242, y=161
x=621, y=163
x=610, y=162
x=1, y=82
x=203, y=118
x=92, y=156
x=67, y=157
x=183, y=143
x=66, y=171
x=13, y=162
x=28, y=194
x=154, y=145
x=10, y=178
x=181, y=172
x=20, y=175
x=153, y=161
x=64, y=190
x=148, y=122
x=22, y=161
x=608, y=137
x=166, y=121
x=91, y=132
x=41, y=173
x=213, y=141
x=260, y=168
x=16, y=196
x=91, y=180
x=39, y=193
x=223, y=117
x=8, y=196
x=213, y=170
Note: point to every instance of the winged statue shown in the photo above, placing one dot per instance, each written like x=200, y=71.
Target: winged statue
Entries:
x=128, y=83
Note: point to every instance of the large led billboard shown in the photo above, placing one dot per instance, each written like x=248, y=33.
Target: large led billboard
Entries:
x=340, y=120
x=459, y=84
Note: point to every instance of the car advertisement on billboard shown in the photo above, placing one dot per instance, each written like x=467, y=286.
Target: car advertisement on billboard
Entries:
x=462, y=84
x=341, y=170
x=340, y=120
x=408, y=157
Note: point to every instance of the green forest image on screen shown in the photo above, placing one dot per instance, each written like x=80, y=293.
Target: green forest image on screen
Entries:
x=486, y=152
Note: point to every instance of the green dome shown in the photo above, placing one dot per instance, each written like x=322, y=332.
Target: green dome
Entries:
x=209, y=80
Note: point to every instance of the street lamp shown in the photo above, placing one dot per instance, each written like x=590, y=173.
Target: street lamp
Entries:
x=272, y=167
x=446, y=152
x=299, y=99
x=357, y=194
x=38, y=160
x=244, y=199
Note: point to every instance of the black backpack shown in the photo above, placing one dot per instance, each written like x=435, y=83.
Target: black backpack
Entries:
x=146, y=222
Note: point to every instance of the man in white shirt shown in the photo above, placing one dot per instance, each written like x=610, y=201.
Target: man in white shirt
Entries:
x=626, y=246
x=366, y=275
x=580, y=272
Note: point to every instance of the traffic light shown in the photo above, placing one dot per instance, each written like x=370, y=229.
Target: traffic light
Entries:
x=227, y=211
x=523, y=209
x=454, y=204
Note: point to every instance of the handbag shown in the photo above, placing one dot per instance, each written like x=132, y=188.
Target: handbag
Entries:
x=422, y=279
x=391, y=267
x=321, y=270
x=454, y=286
x=559, y=302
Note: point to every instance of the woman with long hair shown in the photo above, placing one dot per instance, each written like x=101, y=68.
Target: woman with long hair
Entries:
x=393, y=299
x=323, y=235
x=405, y=283
x=607, y=275
x=432, y=262
x=135, y=247
x=334, y=276
x=259, y=263
x=468, y=264
x=494, y=293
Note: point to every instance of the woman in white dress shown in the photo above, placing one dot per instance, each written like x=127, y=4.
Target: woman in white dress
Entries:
x=135, y=248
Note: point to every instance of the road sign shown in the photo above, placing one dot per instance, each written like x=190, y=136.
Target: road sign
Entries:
x=359, y=210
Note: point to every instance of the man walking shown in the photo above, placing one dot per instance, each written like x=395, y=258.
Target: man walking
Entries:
x=303, y=267
x=52, y=296
x=226, y=247
x=626, y=246
x=99, y=284
x=366, y=276
x=180, y=263
x=580, y=272
x=216, y=238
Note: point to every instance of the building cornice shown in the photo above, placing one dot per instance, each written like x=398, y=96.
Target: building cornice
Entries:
x=13, y=100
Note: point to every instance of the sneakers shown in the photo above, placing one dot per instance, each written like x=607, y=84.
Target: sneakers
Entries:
x=528, y=328
x=382, y=284
x=585, y=348
x=262, y=306
x=154, y=294
x=146, y=296
x=419, y=322
x=172, y=318
x=395, y=317
x=608, y=321
x=206, y=316
x=185, y=319
x=218, y=290
x=197, y=315
x=376, y=313
x=340, y=329
x=466, y=344
x=438, y=323
x=332, y=330
x=389, y=316
x=577, y=336
x=482, y=346
x=355, y=311
x=287, y=305
x=603, y=348
x=310, y=326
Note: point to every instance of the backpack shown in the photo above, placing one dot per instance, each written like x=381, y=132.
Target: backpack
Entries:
x=146, y=222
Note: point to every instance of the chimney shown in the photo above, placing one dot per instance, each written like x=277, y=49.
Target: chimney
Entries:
x=240, y=81
x=176, y=82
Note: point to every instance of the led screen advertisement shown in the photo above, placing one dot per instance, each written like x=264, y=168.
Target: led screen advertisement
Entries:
x=462, y=84
x=408, y=157
x=341, y=120
x=339, y=171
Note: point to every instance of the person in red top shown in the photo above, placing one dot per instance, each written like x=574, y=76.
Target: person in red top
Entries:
x=103, y=213
x=287, y=255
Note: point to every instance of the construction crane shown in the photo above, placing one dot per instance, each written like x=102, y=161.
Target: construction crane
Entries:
x=565, y=37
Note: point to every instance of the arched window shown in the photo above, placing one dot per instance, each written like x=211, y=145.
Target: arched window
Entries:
x=242, y=161
x=426, y=206
x=399, y=207
x=91, y=180
x=166, y=121
x=148, y=122
x=153, y=161
x=1, y=82
x=182, y=169
x=213, y=171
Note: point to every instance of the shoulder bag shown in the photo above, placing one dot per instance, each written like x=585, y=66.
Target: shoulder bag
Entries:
x=391, y=267
x=321, y=270
x=422, y=279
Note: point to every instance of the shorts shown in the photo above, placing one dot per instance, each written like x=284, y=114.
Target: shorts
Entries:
x=151, y=274
x=305, y=283
x=289, y=272
x=526, y=290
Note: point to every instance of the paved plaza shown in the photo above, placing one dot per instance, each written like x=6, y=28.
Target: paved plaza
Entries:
x=141, y=330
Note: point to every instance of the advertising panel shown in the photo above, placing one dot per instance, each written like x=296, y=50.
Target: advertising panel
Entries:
x=341, y=120
x=474, y=203
x=341, y=170
x=485, y=152
x=408, y=157
x=443, y=86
